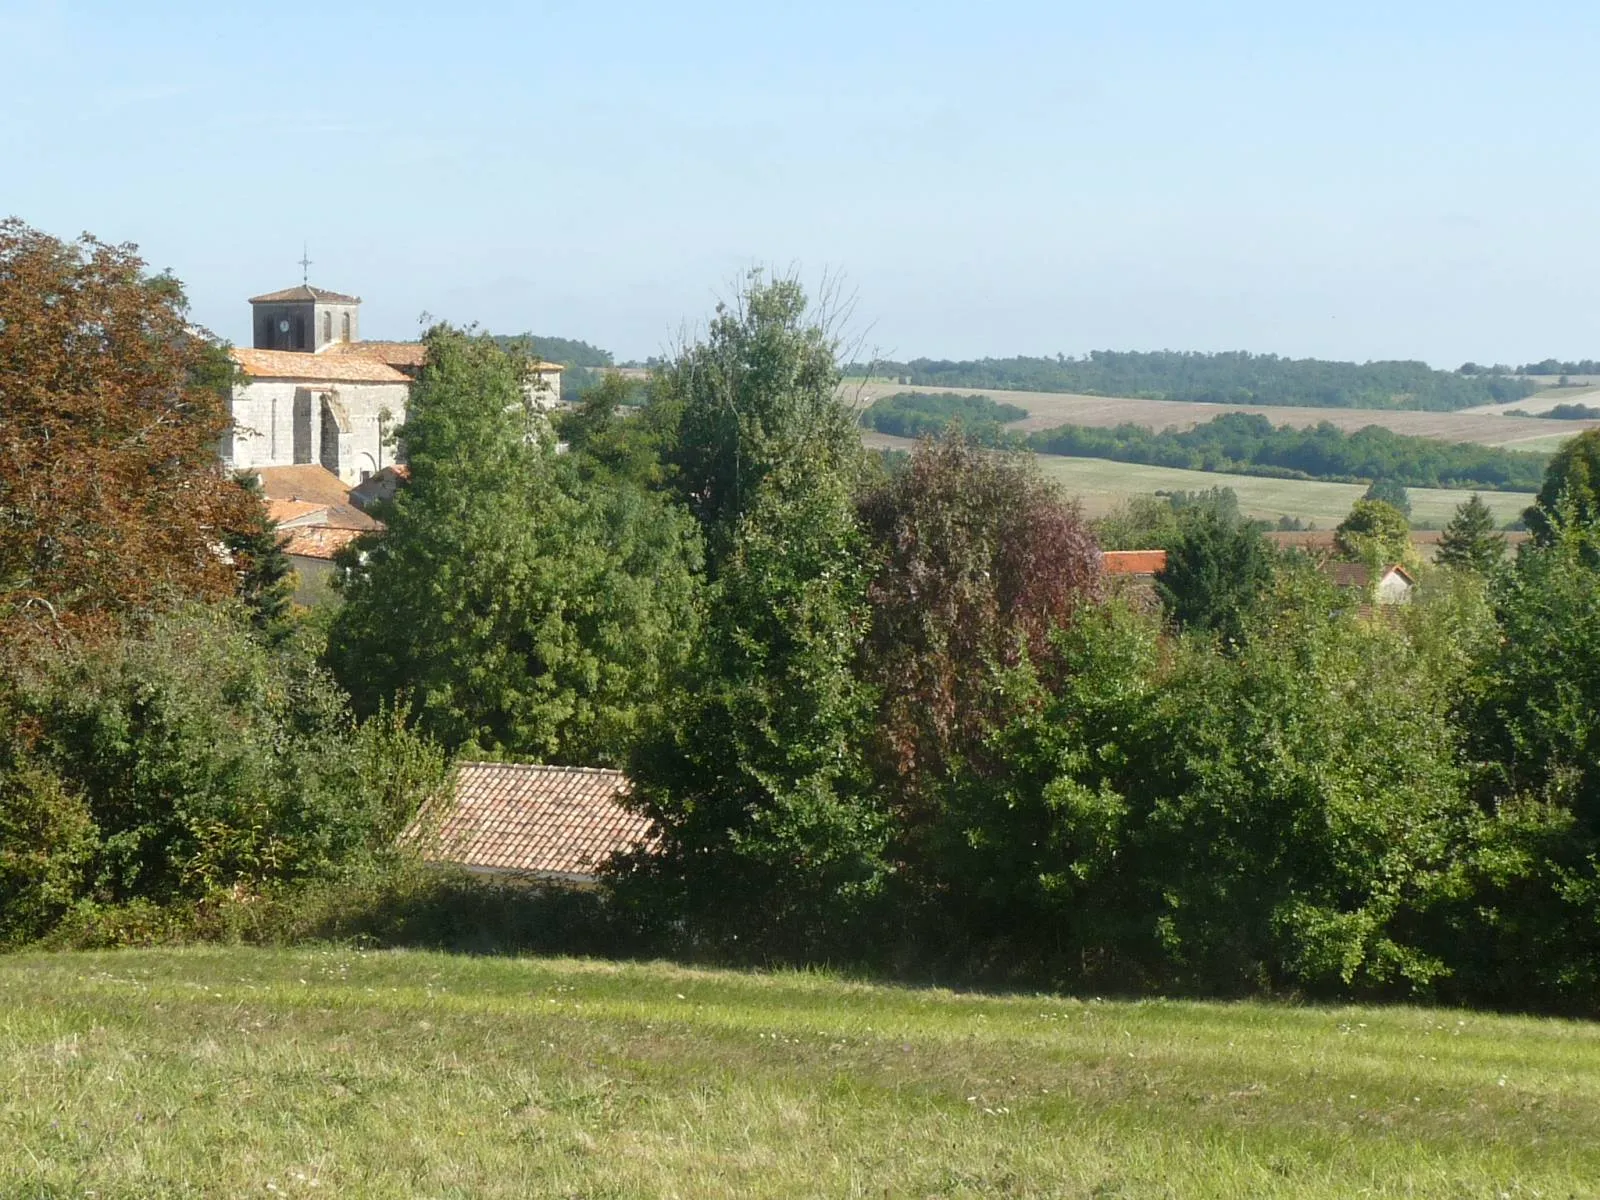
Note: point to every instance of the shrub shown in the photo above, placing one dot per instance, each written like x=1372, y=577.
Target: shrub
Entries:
x=46, y=839
x=206, y=759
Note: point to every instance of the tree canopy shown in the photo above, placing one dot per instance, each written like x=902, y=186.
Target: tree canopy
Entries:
x=112, y=499
x=1249, y=444
x=758, y=391
x=1571, y=481
x=516, y=610
x=1470, y=541
x=1235, y=377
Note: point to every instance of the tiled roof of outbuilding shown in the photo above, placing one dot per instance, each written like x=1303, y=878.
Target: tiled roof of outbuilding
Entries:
x=1132, y=562
x=318, y=541
x=315, y=484
x=287, y=513
x=562, y=822
x=305, y=292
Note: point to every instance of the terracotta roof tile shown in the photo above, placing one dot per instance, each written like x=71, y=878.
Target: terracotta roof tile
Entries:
x=305, y=292
x=313, y=483
x=563, y=822
x=405, y=354
x=321, y=368
x=1132, y=562
x=1359, y=575
x=283, y=513
x=318, y=541
x=396, y=354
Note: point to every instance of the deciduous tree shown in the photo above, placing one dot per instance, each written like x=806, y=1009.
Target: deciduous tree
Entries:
x=979, y=562
x=112, y=498
x=760, y=389
x=1571, y=484
x=519, y=611
x=1377, y=533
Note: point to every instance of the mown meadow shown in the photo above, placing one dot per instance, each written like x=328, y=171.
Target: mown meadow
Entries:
x=338, y=1071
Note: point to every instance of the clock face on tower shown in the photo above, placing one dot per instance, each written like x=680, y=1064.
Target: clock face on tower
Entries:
x=283, y=325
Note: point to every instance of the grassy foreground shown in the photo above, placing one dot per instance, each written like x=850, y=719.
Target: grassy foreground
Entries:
x=247, y=1072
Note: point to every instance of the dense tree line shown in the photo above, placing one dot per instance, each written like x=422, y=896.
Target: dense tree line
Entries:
x=1249, y=444
x=1552, y=366
x=917, y=414
x=1227, y=378
x=1570, y=412
x=900, y=720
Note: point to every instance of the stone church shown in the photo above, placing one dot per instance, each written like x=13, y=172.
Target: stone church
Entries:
x=314, y=393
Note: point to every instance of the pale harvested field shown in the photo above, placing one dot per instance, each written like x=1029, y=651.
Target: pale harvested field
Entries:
x=1101, y=485
x=1049, y=409
x=1542, y=402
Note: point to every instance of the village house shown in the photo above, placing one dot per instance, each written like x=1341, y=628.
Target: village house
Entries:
x=1392, y=584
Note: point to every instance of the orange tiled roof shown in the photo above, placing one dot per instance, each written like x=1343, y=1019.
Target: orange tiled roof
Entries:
x=305, y=291
x=286, y=512
x=318, y=541
x=1132, y=562
x=561, y=822
x=396, y=354
x=313, y=483
x=405, y=354
x=321, y=368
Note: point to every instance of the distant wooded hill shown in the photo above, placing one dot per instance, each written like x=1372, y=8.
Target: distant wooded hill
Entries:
x=1226, y=378
x=582, y=362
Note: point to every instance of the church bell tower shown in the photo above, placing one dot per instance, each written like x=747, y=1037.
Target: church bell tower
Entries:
x=305, y=319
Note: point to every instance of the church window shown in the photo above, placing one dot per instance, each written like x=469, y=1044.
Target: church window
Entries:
x=327, y=327
x=347, y=327
x=299, y=333
x=266, y=334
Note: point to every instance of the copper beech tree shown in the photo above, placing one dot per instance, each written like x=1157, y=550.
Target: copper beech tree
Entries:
x=112, y=498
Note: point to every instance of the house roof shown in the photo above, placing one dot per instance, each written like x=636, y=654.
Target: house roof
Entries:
x=1132, y=562
x=314, y=484
x=305, y=292
x=320, y=368
x=287, y=513
x=1358, y=575
x=560, y=822
x=318, y=541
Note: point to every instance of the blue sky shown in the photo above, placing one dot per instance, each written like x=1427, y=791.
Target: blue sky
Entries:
x=1406, y=179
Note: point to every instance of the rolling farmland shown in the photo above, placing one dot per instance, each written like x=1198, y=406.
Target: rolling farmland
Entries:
x=1049, y=409
x=1100, y=484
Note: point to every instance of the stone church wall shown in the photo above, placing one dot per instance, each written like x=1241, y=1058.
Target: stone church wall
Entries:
x=280, y=422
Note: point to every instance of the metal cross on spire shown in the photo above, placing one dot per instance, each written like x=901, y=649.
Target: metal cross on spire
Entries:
x=305, y=264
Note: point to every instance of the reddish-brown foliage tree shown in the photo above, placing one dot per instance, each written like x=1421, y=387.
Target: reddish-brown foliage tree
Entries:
x=980, y=560
x=112, y=499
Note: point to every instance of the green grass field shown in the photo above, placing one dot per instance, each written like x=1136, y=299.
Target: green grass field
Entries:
x=1101, y=484
x=247, y=1072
